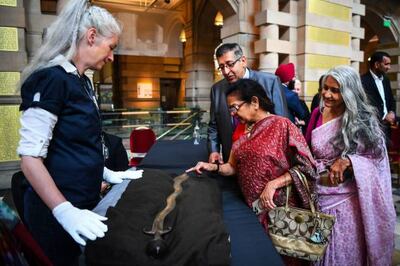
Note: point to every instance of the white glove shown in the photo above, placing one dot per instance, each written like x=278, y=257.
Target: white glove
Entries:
x=116, y=177
x=80, y=223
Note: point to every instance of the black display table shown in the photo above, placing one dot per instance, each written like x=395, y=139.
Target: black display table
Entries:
x=250, y=245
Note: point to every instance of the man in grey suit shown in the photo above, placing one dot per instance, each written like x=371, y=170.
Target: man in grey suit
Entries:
x=233, y=65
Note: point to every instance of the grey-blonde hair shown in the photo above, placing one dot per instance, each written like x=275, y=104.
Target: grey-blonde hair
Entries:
x=360, y=129
x=67, y=30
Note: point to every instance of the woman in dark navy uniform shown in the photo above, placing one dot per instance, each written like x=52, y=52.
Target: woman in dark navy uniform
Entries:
x=61, y=149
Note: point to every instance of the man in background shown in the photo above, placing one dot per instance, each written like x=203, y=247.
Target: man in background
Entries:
x=379, y=92
x=298, y=110
x=233, y=66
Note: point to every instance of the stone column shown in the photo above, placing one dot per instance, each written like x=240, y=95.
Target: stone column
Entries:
x=190, y=64
x=357, y=56
x=327, y=39
x=269, y=60
x=36, y=23
x=240, y=29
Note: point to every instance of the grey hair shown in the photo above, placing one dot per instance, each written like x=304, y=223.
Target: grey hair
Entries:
x=227, y=47
x=67, y=30
x=360, y=129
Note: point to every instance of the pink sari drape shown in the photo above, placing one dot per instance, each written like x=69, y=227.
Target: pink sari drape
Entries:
x=365, y=218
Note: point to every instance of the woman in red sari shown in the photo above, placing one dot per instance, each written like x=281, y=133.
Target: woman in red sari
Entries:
x=263, y=159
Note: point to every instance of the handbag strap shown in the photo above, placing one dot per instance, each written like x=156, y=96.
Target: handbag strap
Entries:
x=307, y=188
x=303, y=180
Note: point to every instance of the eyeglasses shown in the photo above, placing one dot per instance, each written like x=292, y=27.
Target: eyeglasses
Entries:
x=234, y=108
x=229, y=65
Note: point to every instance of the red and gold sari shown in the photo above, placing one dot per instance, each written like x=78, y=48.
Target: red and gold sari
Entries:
x=273, y=147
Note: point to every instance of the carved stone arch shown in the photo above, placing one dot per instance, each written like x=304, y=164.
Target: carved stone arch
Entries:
x=377, y=36
x=173, y=28
x=202, y=22
x=172, y=22
x=205, y=36
x=373, y=21
x=226, y=7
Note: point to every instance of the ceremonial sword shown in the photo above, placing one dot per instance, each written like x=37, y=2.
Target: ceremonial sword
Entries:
x=157, y=247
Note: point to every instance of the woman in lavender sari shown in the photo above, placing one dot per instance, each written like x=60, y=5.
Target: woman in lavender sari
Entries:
x=346, y=141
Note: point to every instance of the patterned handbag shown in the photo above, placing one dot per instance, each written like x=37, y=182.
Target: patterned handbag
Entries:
x=297, y=232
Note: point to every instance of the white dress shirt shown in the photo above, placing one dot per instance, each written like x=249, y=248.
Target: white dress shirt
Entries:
x=246, y=74
x=381, y=90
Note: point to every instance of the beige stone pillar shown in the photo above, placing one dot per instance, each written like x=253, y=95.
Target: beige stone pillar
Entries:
x=240, y=29
x=269, y=60
x=327, y=39
x=192, y=72
x=357, y=33
x=199, y=70
x=36, y=23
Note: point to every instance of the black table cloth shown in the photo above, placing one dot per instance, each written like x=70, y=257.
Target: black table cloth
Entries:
x=250, y=245
x=198, y=236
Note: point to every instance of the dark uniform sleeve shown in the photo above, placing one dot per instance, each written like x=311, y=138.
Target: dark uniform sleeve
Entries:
x=44, y=89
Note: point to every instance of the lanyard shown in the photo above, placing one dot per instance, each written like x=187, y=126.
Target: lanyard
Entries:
x=87, y=87
x=89, y=91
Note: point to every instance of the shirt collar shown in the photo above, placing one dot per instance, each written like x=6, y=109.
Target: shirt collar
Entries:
x=246, y=74
x=65, y=64
x=375, y=76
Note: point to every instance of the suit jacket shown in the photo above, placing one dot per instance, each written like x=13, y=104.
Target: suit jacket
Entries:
x=373, y=95
x=220, y=127
x=295, y=106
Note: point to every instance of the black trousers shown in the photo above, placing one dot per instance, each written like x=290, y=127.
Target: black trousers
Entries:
x=56, y=243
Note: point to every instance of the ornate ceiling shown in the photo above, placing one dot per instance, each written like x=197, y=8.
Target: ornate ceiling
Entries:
x=154, y=6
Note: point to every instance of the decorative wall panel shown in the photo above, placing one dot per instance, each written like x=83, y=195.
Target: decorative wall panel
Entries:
x=327, y=36
x=324, y=61
x=8, y=39
x=9, y=127
x=8, y=3
x=325, y=8
x=8, y=82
